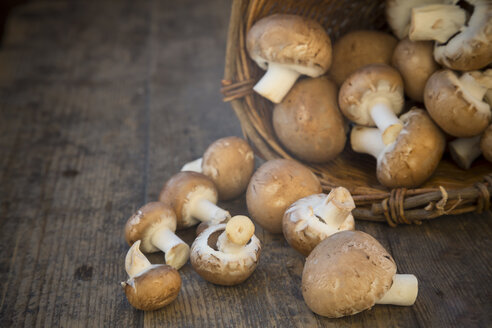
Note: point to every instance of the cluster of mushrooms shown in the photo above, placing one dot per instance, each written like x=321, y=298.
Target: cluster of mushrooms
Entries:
x=355, y=88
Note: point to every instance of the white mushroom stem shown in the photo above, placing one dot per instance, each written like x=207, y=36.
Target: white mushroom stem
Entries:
x=236, y=235
x=336, y=207
x=367, y=140
x=465, y=150
x=276, y=82
x=206, y=211
x=135, y=261
x=194, y=166
x=175, y=250
x=386, y=121
x=436, y=22
x=403, y=292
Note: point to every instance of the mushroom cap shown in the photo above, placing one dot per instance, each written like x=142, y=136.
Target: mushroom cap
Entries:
x=415, y=62
x=398, y=14
x=153, y=288
x=275, y=186
x=414, y=155
x=360, y=48
x=471, y=49
x=221, y=268
x=181, y=188
x=453, y=108
x=303, y=230
x=308, y=121
x=486, y=143
x=346, y=274
x=149, y=218
x=229, y=162
x=291, y=40
x=368, y=86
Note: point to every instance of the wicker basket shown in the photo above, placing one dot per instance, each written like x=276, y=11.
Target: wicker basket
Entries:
x=449, y=191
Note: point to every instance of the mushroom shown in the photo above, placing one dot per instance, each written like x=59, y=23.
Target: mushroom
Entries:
x=486, y=143
x=373, y=95
x=456, y=104
x=226, y=254
x=465, y=150
x=411, y=158
x=154, y=224
x=287, y=46
x=461, y=45
x=308, y=121
x=360, y=48
x=350, y=272
x=275, y=186
x=398, y=14
x=193, y=197
x=229, y=162
x=415, y=62
x=313, y=218
x=150, y=286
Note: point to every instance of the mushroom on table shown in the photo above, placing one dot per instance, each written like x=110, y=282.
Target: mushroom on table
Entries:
x=274, y=187
x=226, y=254
x=154, y=224
x=350, y=272
x=287, y=46
x=229, y=162
x=193, y=197
x=149, y=286
x=313, y=218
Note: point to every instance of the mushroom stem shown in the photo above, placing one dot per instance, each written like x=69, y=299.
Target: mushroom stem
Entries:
x=276, y=82
x=386, y=121
x=465, y=150
x=367, y=140
x=176, y=251
x=476, y=89
x=436, y=22
x=403, y=292
x=206, y=211
x=236, y=235
x=135, y=261
x=336, y=207
x=194, y=166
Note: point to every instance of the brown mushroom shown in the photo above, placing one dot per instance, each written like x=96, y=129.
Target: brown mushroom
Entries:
x=287, y=46
x=486, y=143
x=229, y=162
x=350, y=272
x=373, y=96
x=150, y=286
x=415, y=62
x=308, y=121
x=313, y=218
x=226, y=254
x=154, y=224
x=275, y=186
x=360, y=48
x=456, y=104
x=411, y=158
x=193, y=197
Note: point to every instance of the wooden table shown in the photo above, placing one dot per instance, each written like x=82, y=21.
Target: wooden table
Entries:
x=100, y=103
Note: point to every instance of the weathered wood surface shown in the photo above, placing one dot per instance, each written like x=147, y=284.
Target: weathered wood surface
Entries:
x=100, y=103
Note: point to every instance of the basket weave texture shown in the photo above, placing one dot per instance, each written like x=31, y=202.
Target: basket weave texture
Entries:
x=449, y=191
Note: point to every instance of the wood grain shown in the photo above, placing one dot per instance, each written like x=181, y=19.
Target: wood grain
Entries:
x=100, y=103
